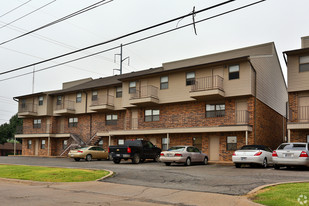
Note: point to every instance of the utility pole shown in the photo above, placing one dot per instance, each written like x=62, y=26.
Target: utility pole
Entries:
x=33, y=80
x=121, y=60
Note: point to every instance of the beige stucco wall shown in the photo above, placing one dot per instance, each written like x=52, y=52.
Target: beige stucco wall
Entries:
x=297, y=81
x=305, y=42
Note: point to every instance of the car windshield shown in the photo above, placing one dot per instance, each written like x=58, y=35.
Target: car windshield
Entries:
x=250, y=147
x=176, y=149
x=292, y=147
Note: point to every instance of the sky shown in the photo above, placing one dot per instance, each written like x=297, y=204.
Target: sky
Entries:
x=278, y=21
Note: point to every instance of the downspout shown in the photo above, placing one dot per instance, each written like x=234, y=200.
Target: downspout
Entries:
x=255, y=93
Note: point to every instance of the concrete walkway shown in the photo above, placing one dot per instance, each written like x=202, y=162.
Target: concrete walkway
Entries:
x=15, y=192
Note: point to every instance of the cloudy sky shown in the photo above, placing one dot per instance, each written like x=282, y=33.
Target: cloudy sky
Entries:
x=279, y=21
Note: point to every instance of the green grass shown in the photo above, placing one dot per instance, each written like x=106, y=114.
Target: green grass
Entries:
x=283, y=195
x=50, y=174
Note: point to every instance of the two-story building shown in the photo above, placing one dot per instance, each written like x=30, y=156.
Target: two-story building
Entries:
x=216, y=102
x=298, y=91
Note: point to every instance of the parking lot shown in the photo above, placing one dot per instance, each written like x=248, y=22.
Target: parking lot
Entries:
x=223, y=179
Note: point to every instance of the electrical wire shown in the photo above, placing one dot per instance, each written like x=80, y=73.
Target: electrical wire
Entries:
x=15, y=8
x=88, y=8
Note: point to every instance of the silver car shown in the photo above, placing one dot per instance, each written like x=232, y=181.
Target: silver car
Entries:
x=253, y=155
x=291, y=154
x=183, y=154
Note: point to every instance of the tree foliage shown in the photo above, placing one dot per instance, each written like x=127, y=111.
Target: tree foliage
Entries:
x=8, y=130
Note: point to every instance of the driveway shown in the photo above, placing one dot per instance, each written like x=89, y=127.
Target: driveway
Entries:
x=206, y=178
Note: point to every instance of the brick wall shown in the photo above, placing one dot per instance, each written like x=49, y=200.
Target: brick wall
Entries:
x=299, y=135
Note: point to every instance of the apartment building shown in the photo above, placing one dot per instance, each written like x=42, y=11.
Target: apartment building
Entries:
x=216, y=102
x=298, y=92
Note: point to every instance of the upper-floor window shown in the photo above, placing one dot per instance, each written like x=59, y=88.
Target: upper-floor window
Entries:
x=111, y=119
x=29, y=145
x=234, y=72
x=43, y=143
x=41, y=99
x=152, y=115
x=73, y=122
x=190, y=78
x=132, y=87
x=118, y=92
x=215, y=110
x=164, y=82
x=37, y=123
x=59, y=100
x=94, y=96
x=23, y=103
x=304, y=63
x=79, y=97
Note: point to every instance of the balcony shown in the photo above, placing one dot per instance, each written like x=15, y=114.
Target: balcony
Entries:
x=36, y=129
x=299, y=118
x=27, y=109
x=104, y=103
x=65, y=107
x=147, y=95
x=207, y=88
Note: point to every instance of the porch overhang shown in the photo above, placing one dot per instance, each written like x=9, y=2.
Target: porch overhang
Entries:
x=296, y=126
x=207, y=94
x=42, y=135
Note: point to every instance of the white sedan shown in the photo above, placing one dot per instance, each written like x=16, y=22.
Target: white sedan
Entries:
x=253, y=155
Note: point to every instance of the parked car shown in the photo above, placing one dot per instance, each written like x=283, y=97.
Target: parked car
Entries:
x=136, y=150
x=253, y=155
x=291, y=154
x=88, y=153
x=183, y=154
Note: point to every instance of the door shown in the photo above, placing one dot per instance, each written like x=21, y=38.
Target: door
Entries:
x=303, y=109
x=134, y=119
x=214, y=146
x=36, y=147
x=241, y=112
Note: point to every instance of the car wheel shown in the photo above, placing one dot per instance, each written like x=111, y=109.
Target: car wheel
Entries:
x=88, y=157
x=205, y=162
x=136, y=159
x=77, y=159
x=237, y=165
x=157, y=158
x=277, y=167
x=264, y=164
x=188, y=161
x=116, y=160
x=167, y=163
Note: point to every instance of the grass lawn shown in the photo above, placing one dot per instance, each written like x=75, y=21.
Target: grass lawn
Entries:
x=50, y=174
x=284, y=195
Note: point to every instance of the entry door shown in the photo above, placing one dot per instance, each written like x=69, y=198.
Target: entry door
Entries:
x=241, y=112
x=214, y=146
x=36, y=147
x=134, y=120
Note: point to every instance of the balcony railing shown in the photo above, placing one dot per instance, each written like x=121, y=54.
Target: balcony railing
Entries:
x=34, y=129
x=66, y=104
x=145, y=92
x=104, y=100
x=299, y=115
x=27, y=107
x=208, y=83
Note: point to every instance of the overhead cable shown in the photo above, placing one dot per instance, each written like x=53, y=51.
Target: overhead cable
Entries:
x=15, y=8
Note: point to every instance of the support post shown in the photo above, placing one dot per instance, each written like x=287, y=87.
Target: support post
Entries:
x=246, y=137
x=289, y=135
x=14, y=146
x=168, y=140
x=48, y=148
x=109, y=140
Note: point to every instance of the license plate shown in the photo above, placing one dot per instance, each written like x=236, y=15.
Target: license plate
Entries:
x=288, y=155
x=243, y=158
x=169, y=155
x=117, y=155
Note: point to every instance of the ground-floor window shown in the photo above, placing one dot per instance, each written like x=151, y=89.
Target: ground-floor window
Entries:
x=308, y=138
x=164, y=143
x=29, y=145
x=65, y=144
x=231, y=143
x=101, y=143
x=43, y=144
x=120, y=141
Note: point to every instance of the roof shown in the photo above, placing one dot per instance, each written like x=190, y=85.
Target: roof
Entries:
x=37, y=94
x=10, y=146
x=297, y=51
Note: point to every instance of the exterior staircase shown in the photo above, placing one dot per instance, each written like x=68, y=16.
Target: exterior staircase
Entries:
x=73, y=142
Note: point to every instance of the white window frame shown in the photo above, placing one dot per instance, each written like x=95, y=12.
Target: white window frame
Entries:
x=164, y=82
x=78, y=97
x=233, y=69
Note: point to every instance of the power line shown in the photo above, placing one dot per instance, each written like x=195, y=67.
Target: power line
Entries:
x=88, y=8
x=142, y=39
x=115, y=39
x=27, y=14
x=15, y=8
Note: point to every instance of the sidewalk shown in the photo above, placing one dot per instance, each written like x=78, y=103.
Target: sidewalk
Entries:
x=15, y=192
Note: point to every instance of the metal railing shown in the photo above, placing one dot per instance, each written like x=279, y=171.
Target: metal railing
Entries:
x=207, y=83
x=299, y=115
x=27, y=107
x=38, y=129
x=104, y=100
x=145, y=92
x=66, y=104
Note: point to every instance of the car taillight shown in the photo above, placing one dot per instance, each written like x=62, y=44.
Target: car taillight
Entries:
x=129, y=150
x=80, y=151
x=258, y=154
x=161, y=154
x=178, y=155
x=274, y=154
x=234, y=154
x=303, y=154
x=108, y=150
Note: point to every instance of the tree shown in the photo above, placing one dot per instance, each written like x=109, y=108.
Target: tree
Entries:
x=8, y=131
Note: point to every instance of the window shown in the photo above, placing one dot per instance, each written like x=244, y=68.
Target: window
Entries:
x=43, y=144
x=118, y=92
x=215, y=110
x=94, y=96
x=152, y=115
x=308, y=138
x=29, y=146
x=303, y=63
x=79, y=97
x=234, y=72
x=41, y=99
x=73, y=122
x=120, y=141
x=101, y=143
x=231, y=143
x=59, y=100
x=65, y=144
x=164, y=82
x=190, y=78
x=132, y=87
x=164, y=144
x=111, y=119
x=37, y=123
x=23, y=103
